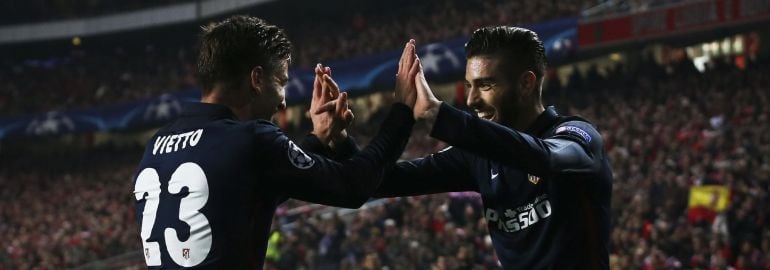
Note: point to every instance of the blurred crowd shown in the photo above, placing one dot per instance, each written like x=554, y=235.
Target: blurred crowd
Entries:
x=91, y=78
x=605, y=8
x=50, y=10
x=105, y=73
x=29, y=11
x=366, y=32
x=666, y=128
x=33, y=11
x=424, y=232
x=669, y=128
x=62, y=209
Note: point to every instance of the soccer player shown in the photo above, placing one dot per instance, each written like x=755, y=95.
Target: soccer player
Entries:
x=544, y=178
x=208, y=184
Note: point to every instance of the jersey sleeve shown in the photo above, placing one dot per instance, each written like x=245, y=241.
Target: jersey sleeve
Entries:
x=344, y=150
x=312, y=144
x=445, y=171
x=299, y=174
x=576, y=146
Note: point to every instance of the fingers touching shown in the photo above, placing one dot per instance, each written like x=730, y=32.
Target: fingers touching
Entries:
x=327, y=95
x=333, y=90
x=407, y=58
x=342, y=104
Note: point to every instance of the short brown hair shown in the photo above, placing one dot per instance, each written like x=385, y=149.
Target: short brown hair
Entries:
x=231, y=48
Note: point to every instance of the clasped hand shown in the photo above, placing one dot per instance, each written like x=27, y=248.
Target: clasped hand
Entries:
x=411, y=87
x=329, y=110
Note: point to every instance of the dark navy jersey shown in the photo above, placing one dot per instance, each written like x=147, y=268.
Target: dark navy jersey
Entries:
x=546, y=192
x=208, y=185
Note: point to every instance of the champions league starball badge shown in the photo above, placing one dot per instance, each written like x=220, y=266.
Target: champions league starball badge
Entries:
x=298, y=158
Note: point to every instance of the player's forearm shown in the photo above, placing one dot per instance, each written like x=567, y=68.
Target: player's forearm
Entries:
x=398, y=182
x=363, y=173
x=384, y=149
x=345, y=148
x=341, y=150
x=311, y=143
x=488, y=139
x=445, y=171
x=403, y=180
x=508, y=146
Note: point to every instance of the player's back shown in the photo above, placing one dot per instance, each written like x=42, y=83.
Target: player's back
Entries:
x=199, y=201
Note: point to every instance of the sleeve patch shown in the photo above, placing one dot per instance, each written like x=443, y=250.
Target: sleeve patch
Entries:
x=573, y=130
x=298, y=158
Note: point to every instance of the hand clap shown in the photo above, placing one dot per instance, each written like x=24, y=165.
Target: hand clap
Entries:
x=411, y=87
x=407, y=70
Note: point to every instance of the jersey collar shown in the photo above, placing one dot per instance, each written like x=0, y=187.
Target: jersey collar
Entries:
x=192, y=109
x=543, y=122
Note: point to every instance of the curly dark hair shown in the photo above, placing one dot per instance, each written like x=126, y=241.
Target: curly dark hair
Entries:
x=519, y=46
x=230, y=49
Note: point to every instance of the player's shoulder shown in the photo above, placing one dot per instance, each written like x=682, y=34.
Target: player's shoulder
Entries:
x=235, y=128
x=263, y=126
x=232, y=130
x=265, y=132
x=263, y=129
x=577, y=128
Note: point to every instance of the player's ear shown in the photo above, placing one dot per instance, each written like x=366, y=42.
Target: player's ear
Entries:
x=528, y=83
x=256, y=79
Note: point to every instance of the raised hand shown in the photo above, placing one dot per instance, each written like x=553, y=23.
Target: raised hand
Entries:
x=329, y=110
x=407, y=70
x=426, y=105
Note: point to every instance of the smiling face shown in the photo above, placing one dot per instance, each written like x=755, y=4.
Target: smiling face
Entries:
x=492, y=92
x=504, y=74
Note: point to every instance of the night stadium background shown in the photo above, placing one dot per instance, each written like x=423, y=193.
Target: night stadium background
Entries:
x=679, y=90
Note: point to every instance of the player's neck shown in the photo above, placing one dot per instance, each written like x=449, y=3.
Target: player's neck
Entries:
x=527, y=116
x=243, y=113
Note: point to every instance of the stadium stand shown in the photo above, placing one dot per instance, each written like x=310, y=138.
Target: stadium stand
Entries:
x=667, y=128
x=90, y=78
x=110, y=72
x=15, y=12
x=63, y=209
x=65, y=201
